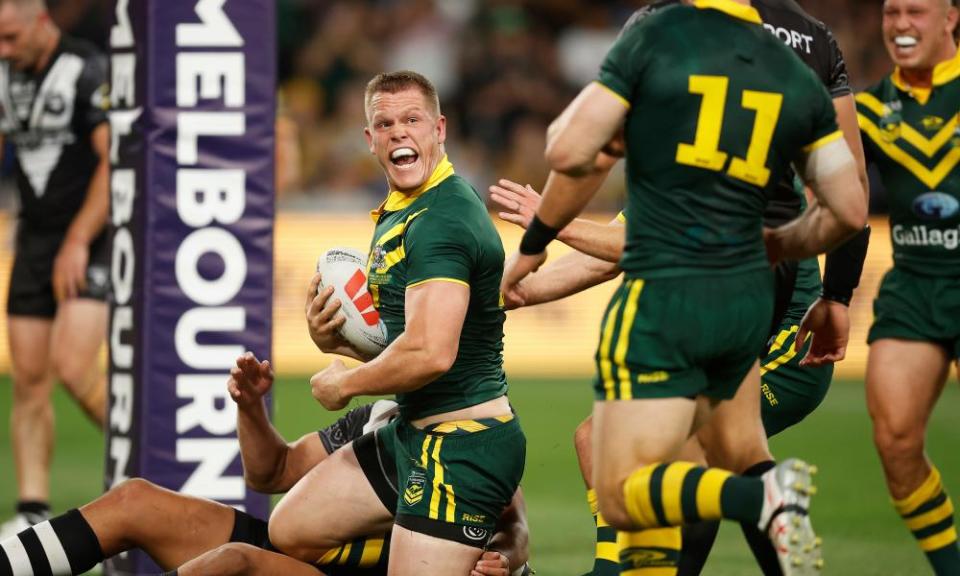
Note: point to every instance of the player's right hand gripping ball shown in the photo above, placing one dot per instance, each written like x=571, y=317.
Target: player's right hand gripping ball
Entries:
x=345, y=270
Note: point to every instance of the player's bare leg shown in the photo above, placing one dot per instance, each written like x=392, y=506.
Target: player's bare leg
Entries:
x=904, y=381
x=79, y=331
x=734, y=439
x=333, y=504
x=413, y=554
x=31, y=421
x=170, y=527
x=236, y=559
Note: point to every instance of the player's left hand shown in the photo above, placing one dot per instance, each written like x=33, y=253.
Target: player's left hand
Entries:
x=325, y=386
x=519, y=203
x=70, y=269
x=491, y=563
x=830, y=324
x=518, y=267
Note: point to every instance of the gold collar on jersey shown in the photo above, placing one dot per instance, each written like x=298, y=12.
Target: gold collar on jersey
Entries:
x=735, y=9
x=943, y=73
x=397, y=200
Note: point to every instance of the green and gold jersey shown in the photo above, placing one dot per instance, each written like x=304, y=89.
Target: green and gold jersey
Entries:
x=912, y=136
x=443, y=233
x=719, y=107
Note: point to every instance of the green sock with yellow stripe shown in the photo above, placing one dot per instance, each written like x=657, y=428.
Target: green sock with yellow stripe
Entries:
x=679, y=493
x=928, y=513
x=607, y=559
x=357, y=557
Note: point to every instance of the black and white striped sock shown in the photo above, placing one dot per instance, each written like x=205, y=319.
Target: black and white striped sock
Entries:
x=62, y=546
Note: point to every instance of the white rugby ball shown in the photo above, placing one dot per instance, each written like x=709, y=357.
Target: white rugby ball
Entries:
x=346, y=270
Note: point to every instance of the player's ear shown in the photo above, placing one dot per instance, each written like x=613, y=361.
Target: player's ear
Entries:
x=953, y=15
x=369, y=136
x=442, y=129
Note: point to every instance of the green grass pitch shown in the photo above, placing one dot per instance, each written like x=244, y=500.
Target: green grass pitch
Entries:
x=862, y=535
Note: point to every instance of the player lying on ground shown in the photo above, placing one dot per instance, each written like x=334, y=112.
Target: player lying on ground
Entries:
x=694, y=252
x=909, y=121
x=174, y=528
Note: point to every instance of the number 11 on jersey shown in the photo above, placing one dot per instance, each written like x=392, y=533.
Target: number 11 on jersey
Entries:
x=705, y=151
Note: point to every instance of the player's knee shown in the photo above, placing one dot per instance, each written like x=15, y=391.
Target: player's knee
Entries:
x=231, y=559
x=286, y=538
x=131, y=493
x=30, y=382
x=583, y=437
x=612, y=505
x=70, y=370
x=898, y=440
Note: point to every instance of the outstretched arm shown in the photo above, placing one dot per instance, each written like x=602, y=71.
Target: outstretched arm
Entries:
x=270, y=464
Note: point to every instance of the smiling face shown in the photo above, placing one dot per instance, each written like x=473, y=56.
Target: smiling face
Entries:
x=918, y=34
x=406, y=133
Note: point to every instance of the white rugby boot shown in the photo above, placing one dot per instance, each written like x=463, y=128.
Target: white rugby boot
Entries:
x=785, y=517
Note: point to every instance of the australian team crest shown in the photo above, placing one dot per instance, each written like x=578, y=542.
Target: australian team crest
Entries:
x=378, y=258
x=890, y=122
x=413, y=492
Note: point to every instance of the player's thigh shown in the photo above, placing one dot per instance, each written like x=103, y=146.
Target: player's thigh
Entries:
x=733, y=438
x=79, y=331
x=417, y=554
x=29, y=339
x=235, y=558
x=904, y=380
x=628, y=434
x=171, y=527
x=332, y=504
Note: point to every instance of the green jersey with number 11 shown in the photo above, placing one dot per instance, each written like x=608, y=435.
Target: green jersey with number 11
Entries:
x=718, y=108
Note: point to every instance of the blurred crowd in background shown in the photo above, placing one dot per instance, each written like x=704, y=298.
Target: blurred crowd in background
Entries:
x=504, y=69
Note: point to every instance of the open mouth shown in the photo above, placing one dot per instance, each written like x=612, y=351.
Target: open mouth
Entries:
x=905, y=43
x=403, y=157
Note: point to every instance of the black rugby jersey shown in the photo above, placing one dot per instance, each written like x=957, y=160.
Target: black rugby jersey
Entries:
x=812, y=41
x=49, y=116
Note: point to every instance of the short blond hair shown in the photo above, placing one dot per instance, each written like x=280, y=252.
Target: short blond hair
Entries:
x=393, y=82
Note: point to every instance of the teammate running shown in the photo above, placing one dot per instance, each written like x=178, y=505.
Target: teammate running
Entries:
x=910, y=126
x=790, y=390
x=694, y=248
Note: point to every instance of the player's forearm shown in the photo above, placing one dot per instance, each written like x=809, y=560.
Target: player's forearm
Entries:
x=90, y=220
x=262, y=449
x=816, y=231
x=601, y=241
x=410, y=362
x=568, y=275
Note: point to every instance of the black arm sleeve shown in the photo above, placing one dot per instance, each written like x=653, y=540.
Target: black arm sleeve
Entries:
x=839, y=81
x=844, y=266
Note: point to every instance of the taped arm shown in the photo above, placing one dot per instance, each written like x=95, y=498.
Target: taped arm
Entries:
x=840, y=211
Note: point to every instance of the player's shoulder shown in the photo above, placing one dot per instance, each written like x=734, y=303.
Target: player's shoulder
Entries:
x=789, y=13
x=643, y=14
x=79, y=47
x=456, y=197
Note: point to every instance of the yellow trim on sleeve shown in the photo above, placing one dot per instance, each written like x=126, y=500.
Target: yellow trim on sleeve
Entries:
x=608, y=551
x=731, y=8
x=832, y=137
x=624, y=101
x=452, y=280
x=622, y=217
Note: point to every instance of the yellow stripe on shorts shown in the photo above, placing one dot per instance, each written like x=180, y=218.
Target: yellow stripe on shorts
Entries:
x=623, y=341
x=777, y=345
x=437, y=480
x=606, y=339
x=372, y=551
